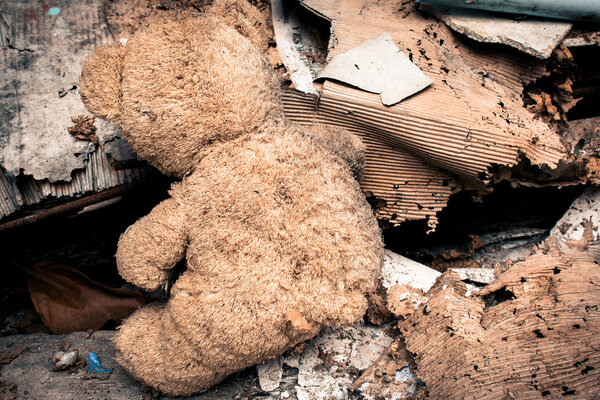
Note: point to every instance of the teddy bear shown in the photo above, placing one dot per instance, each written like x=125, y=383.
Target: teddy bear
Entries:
x=278, y=239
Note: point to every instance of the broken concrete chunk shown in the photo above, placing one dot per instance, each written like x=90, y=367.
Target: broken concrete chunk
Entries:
x=402, y=271
x=270, y=373
x=533, y=332
x=391, y=377
x=535, y=37
x=378, y=66
x=332, y=361
x=580, y=224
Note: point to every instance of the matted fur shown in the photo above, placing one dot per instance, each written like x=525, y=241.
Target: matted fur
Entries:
x=268, y=215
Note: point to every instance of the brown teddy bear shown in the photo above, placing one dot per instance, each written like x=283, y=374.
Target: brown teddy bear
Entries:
x=278, y=237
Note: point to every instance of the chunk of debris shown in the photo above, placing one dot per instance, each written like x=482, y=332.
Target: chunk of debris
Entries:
x=378, y=66
x=270, y=373
x=331, y=362
x=63, y=360
x=84, y=128
x=531, y=332
x=535, y=37
x=407, y=281
x=390, y=377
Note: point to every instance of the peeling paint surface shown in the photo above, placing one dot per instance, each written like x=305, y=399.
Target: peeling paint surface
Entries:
x=39, y=83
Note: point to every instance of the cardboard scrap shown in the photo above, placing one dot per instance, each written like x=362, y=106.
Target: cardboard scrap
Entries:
x=535, y=37
x=38, y=88
x=290, y=40
x=41, y=55
x=405, y=300
x=430, y=145
x=531, y=333
x=378, y=66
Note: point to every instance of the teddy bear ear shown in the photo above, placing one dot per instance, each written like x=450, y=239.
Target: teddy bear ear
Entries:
x=244, y=18
x=100, y=82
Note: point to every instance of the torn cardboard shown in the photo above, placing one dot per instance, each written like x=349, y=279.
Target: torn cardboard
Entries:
x=294, y=44
x=39, y=100
x=531, y=333
x=534, y=37
x=378, y=66
x=446, y=137
x=38, y=90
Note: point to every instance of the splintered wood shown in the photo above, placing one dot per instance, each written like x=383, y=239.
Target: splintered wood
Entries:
x=531, y=333
x=447, y=136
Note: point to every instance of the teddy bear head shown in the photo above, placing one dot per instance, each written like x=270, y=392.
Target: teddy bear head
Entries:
x=183, y=83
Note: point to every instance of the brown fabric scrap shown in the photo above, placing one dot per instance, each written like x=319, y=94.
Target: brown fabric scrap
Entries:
x=68, y=301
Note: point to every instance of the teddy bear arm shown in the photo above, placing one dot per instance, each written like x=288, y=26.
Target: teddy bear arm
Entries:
x=342, y=143
x=148, y=249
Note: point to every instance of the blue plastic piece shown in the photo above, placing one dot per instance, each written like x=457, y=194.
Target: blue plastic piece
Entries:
x=580, y=10
x=54, y=11
x=95, y=369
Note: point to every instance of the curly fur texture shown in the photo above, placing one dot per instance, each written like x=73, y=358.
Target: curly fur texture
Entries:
x=268, y=215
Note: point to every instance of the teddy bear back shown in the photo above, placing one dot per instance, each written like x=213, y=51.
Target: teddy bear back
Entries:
x=285, y=223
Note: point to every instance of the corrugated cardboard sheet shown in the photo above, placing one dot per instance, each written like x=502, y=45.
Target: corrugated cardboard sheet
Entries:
x=42, y=49
x=447, y=136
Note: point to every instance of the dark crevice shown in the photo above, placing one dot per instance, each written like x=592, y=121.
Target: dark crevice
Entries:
x=499, y=296
x=539, y=334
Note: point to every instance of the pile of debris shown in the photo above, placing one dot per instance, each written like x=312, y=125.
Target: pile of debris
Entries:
x=527, y=328
x=447, y=100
